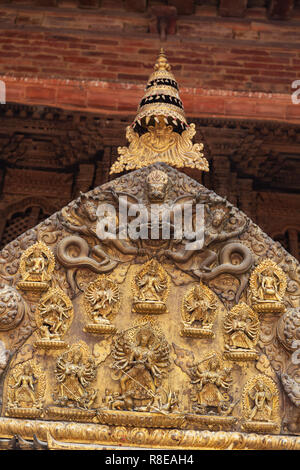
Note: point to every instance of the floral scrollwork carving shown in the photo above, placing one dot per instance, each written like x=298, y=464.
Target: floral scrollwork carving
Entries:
x=12, y=308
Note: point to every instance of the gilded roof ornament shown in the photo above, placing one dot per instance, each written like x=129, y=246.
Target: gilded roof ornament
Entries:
x=160, y=132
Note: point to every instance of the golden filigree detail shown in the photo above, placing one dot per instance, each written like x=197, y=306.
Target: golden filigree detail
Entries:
x=159, y=419
x=101, y=302
x=36, y=267
x=260, y=402
x=75, y=371
x=54, y=315
x=161, y=144
x=150, y=289
x=79, y=436
x=26, y=385
x=268, y=284
x=199, y=309
x=241, y=327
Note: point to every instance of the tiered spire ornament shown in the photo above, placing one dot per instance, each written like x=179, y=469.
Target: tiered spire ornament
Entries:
x=159, y=132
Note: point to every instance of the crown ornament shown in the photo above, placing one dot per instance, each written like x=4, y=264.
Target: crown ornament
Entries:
x=160, y=132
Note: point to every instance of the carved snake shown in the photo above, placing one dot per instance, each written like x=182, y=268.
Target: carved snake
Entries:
x=82, y=260
x=226, y=265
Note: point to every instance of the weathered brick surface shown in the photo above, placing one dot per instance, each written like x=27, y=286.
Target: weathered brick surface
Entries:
x=122, y=99
x=112, y=44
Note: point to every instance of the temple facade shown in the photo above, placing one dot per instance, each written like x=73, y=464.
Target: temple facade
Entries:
x=149, y=312
x=73, y=73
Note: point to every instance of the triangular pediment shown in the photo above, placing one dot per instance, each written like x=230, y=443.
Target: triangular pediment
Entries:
x=195, y=332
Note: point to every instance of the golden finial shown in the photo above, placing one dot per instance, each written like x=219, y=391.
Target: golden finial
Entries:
x=162, y=61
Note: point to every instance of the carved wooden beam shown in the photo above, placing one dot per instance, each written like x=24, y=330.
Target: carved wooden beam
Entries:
x=233, y=8
x=163, y=20
x=136, y=5
x=88, y=3
x=281, y=9
x=186, y=7
x=45, y=3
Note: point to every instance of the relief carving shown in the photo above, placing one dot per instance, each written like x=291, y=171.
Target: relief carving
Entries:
x=268, y=285
x=261, y=405
x=53, y=318
x=36, y=268
x=25, y=390
x=141, y=362
x=241, y=328
x=150, y=289
x=101, y=302
x=198, y=312
x=75, y=372
x=12, y=308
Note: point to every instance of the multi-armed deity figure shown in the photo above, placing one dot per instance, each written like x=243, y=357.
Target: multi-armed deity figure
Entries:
x=241, y=328
x=141, y=361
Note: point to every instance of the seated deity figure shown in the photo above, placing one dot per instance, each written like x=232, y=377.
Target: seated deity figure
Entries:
x=268, y=284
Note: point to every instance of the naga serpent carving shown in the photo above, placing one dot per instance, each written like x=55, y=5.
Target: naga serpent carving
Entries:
x=82, y=258
x=226, y=266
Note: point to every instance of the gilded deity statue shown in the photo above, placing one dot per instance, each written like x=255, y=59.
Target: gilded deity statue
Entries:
x=26, y=389
x=141, y=360
x=241, y=328
x=211, y=383
x=261, y=397
x=268, y=285
x=53, y=317
x=74, y=372
x=199, y=312
x=36, y=267
x=101, y=302
x=151, y=286
x=261, y=405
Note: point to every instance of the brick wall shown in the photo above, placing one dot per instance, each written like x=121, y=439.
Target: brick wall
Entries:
x=251, y=56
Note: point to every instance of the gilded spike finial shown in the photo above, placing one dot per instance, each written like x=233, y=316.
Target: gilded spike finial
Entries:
x=159, y=132
x=162, y=62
